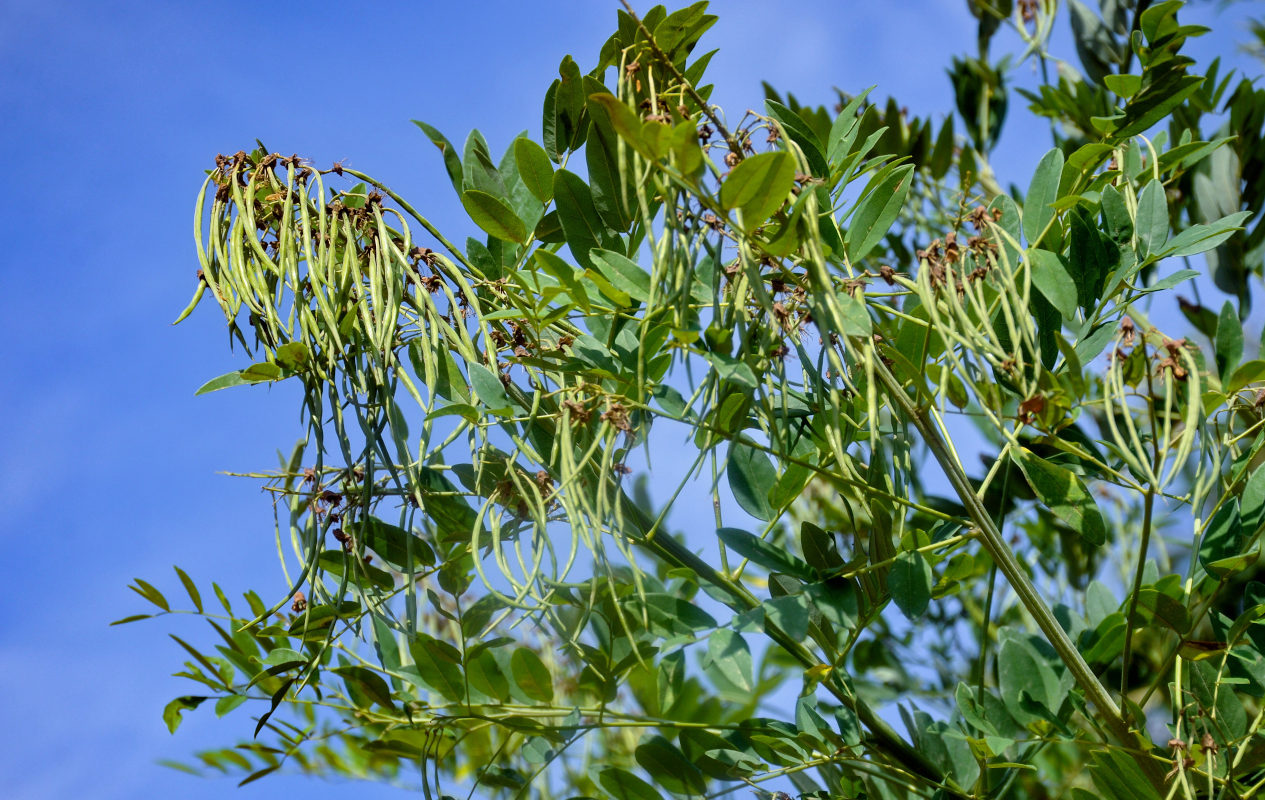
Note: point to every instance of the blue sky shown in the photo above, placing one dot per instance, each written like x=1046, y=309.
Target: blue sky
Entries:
x=108, y=463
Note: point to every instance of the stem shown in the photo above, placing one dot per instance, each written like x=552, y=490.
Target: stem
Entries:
x=883, y=737
x=1027, y=593
x=1147, y=506
x=1134, y=26
x=734, y=147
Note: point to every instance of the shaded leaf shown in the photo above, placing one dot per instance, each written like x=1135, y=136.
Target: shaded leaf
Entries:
x=487, y=385
x=910, y=580
x=728, y=654
x=1064, y=494
x=439, y=665
x=531, y=675
x=669, y=767
x=774, y=559
x=751, y=476
x=1051, y=277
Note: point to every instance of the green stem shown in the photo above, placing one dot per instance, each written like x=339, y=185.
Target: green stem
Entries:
x=1027, y=593
x=1147, y=506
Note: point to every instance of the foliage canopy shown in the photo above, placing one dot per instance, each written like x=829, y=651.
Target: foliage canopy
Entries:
x=820, y=316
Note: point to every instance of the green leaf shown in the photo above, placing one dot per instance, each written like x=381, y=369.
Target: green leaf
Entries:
x=626, y=123
x=623, y=785
x=819, y=547
x=910, y=580
x=774, y=559
x=257, y=774
x=680, y=31
x=392, y=543
x=758, y=186
x=173, y=710
x=1051, y=277
x=147, y=591
x=1123, y=85
x=190, y=588
x=494, y=216
x=1064, y=494
x=733, y=369
x=671, y=680
x=131, y=618
x=580, y=222
x=729, y=655
x=624, y=274
x=1252, y=502
x=1178, y=277
x=751, y=476
x=1164, y=91
x=876, y=212
x=1022, y=671
x=369, y=685
x=668, y=615
x=1038, y=204
x=1118, y=777
x=293, y=356
x=549, y=134
x=567, y=275
x=226, y=704
x=1201, y=238
x=856, y=319
x=836, y=600
x=800, y=133
x=531, y=675
x=534, y=168
x=791, y=613
x=487, y=385
x=261, y=373
x=224, y=381
x=669, y=767
x=1250, y=372
x=1222, y=541
x=1229, y=346
x=439, y=665
x=844, y=129
x=452, y=162
x=1152, y=219
x=569, y=106
x=686, y=149
x=486, y=676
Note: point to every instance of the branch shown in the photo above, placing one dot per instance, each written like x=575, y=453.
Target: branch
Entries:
x=1135, y=743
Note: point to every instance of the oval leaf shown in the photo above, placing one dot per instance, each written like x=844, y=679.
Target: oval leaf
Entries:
x=729, y=655
x=758, y=186
x=534, y=168
x=494, y=216
x=439, y=664
x=1050, y=276
x=669, y=767
x=531, y=675
x=488, y=386
x=910, y=582
x=751, y=476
